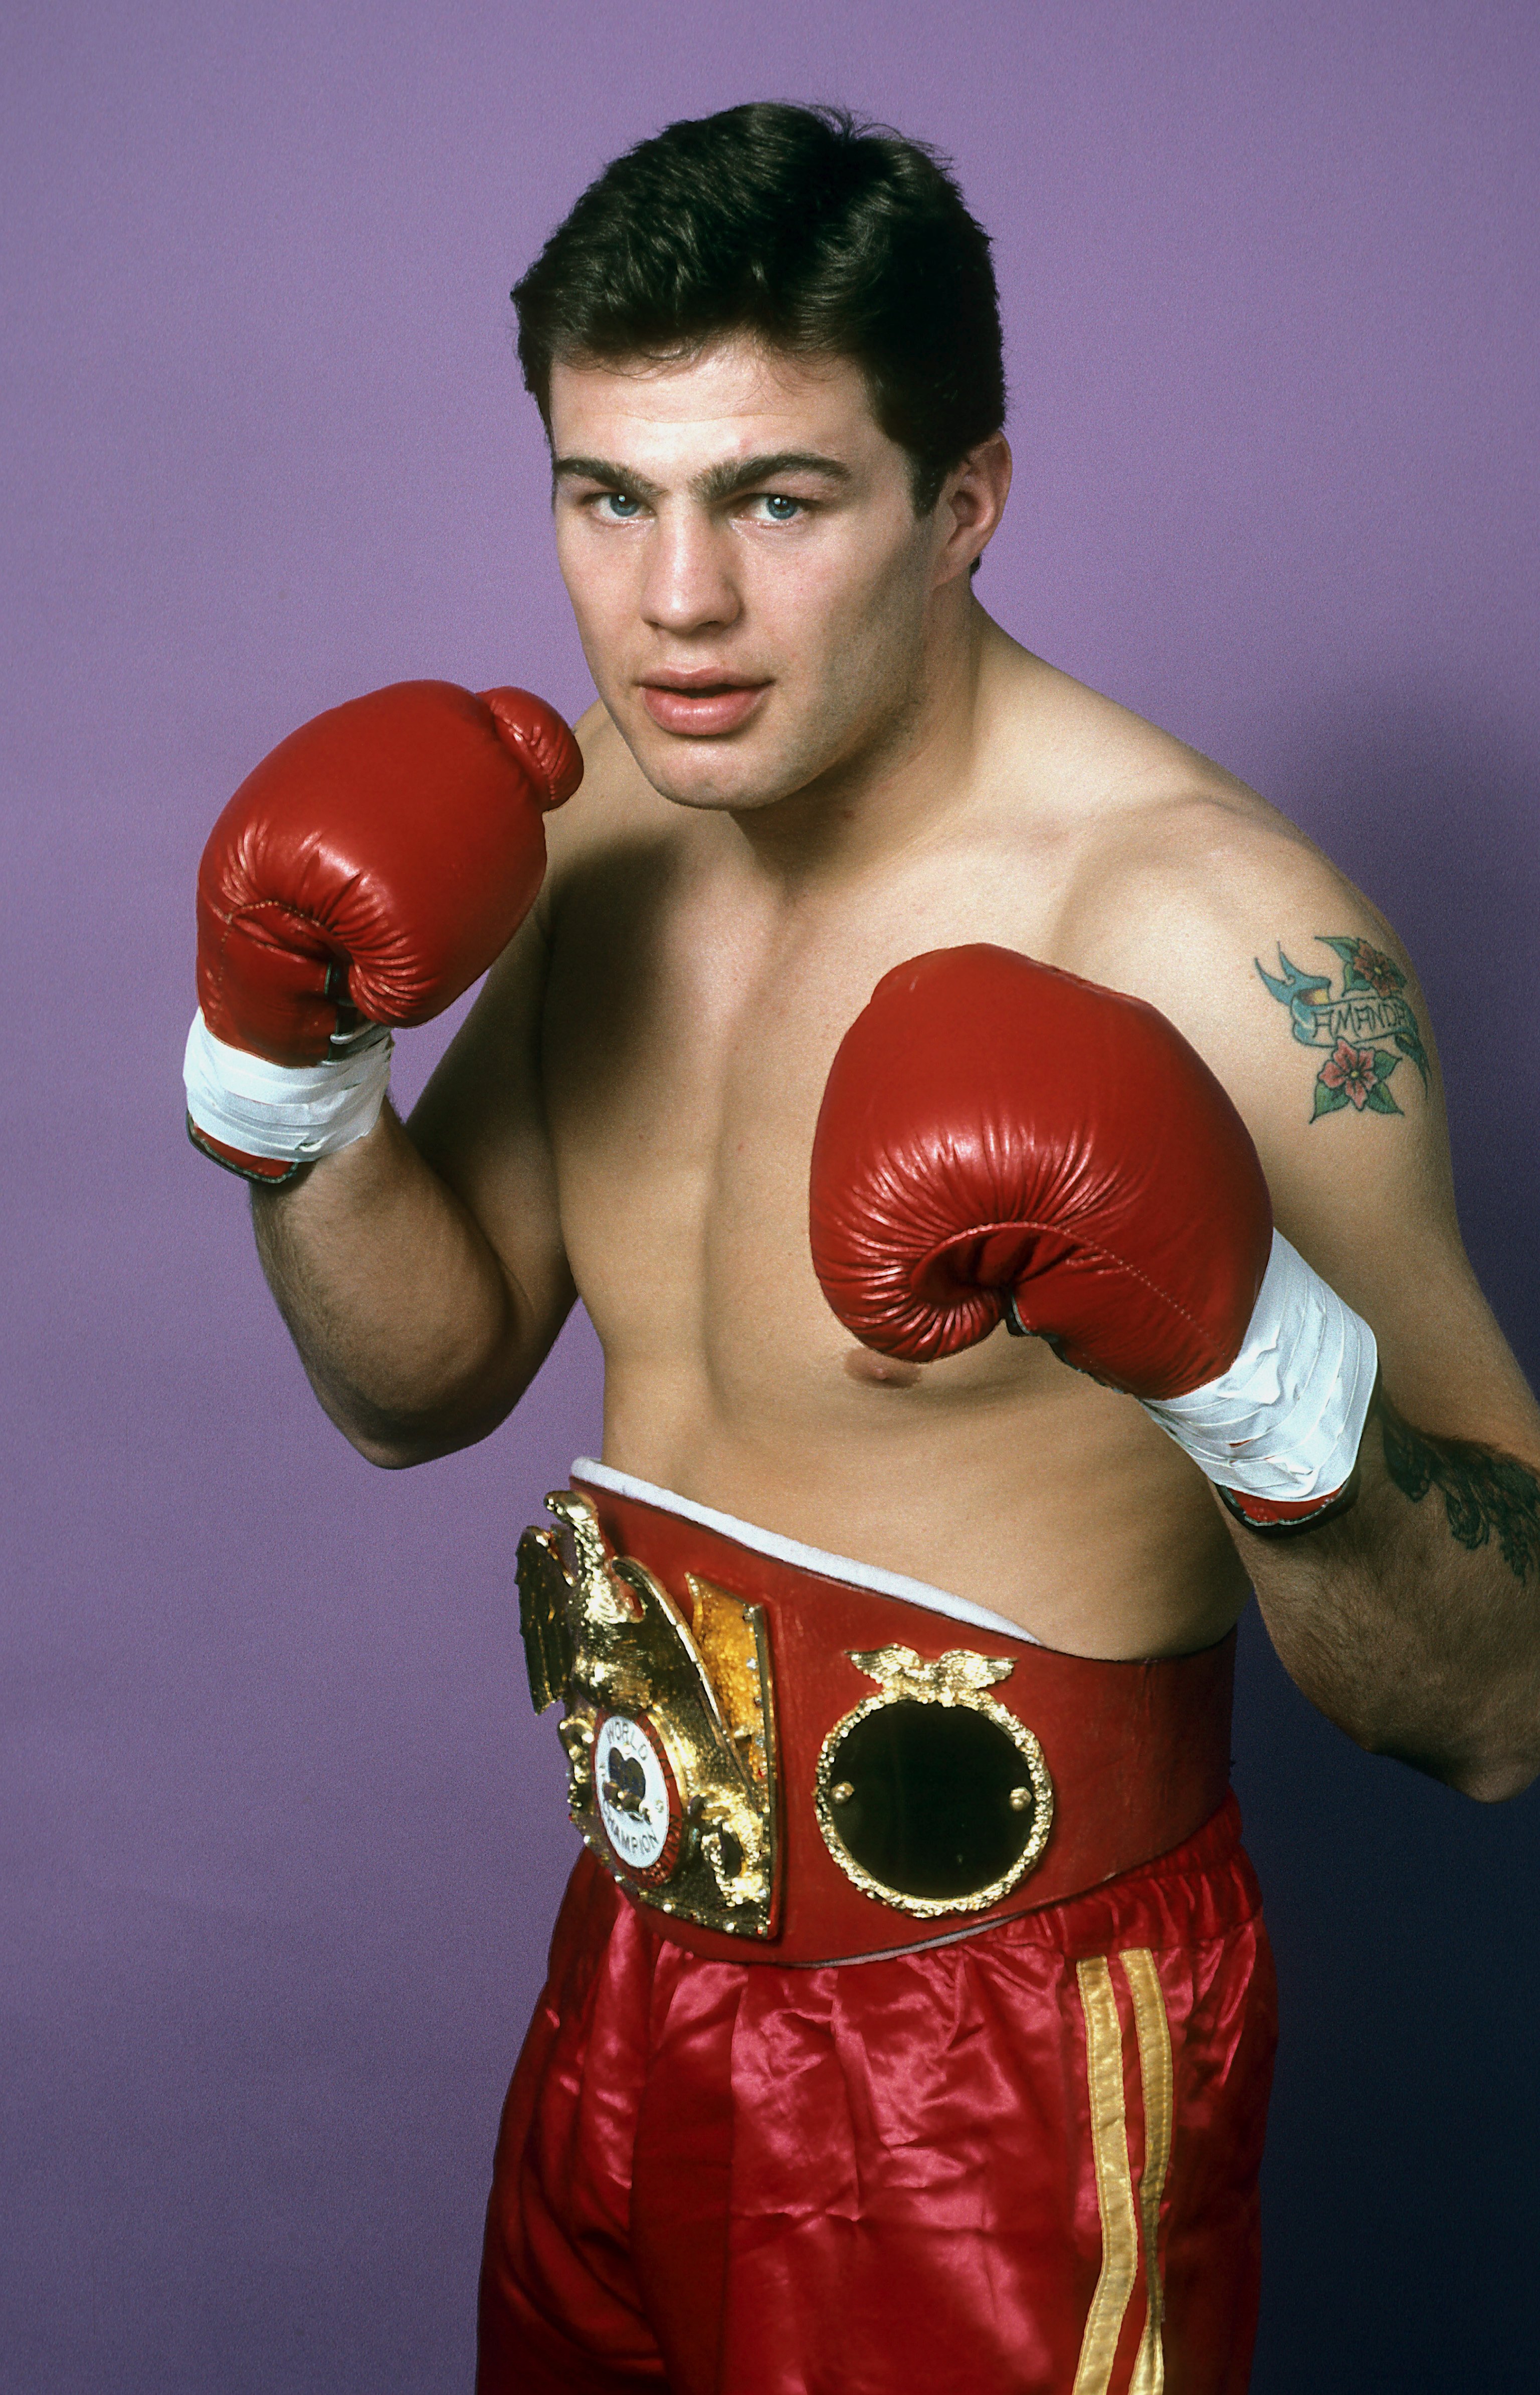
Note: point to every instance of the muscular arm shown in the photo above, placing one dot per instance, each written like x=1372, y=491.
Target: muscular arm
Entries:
x=1412, y=1620
x=419, y=1326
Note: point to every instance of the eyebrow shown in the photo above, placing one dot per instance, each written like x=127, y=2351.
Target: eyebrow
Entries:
x=716, y=484
x=725, y=481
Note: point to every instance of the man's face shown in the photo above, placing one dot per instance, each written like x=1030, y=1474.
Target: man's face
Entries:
x=750, y=581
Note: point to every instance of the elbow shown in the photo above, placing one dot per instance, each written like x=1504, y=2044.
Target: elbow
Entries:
x=1495, y=1781
x=387, y=1455
x=388, y=1447
x=396, y=1445
x=394, y=1438
x=1487, y=1775
x=1500, y=1755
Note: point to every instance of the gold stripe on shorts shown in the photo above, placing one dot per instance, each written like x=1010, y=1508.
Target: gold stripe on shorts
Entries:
x=1155, y=2074
x=1104, y=2072
x=1120, y=2223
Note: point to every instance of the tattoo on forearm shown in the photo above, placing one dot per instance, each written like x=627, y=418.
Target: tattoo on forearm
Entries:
x=1368, y=1009
x=1486, y=1493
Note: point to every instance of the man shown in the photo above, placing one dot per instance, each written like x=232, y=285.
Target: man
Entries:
x=918, y=2023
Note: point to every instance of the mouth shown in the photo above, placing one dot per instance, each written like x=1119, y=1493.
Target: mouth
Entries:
x=701, y=705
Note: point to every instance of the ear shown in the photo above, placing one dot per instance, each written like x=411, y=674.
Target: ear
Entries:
x=972, y=502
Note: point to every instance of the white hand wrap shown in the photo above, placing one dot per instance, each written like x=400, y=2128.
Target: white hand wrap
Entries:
x=289, y=1113
x=1284, y=1423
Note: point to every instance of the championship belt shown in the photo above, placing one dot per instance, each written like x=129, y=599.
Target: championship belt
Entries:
x=769, y=1780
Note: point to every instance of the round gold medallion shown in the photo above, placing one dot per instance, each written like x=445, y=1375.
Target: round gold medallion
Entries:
x=930, y=1795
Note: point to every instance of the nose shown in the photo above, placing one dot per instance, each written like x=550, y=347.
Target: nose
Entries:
x=689, y=586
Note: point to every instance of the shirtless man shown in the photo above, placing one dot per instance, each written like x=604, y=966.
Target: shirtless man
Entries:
x=814, y=759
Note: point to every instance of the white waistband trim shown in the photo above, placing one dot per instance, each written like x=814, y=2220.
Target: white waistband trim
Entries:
x=791, y=1550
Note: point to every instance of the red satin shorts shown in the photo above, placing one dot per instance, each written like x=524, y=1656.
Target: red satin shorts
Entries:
x=1021, y=2163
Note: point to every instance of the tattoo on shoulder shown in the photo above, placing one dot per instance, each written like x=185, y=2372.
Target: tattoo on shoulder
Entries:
x=1367, y=1026
x=1486, y=1493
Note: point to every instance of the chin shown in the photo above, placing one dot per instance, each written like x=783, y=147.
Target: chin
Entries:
x=712, y=774
x=719, y=792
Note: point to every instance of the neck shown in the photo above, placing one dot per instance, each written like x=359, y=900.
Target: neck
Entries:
x=908, y=778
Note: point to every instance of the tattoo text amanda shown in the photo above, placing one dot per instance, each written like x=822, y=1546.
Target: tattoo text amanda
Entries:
x=1367, y=1026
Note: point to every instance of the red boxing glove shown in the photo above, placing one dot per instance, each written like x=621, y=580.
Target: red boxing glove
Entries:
x=373, y=865
x=1001, y=1141
x=997, y=1134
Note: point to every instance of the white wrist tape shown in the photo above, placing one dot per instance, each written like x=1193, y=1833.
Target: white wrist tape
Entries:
x=289, y=1113
x=1285, y=1421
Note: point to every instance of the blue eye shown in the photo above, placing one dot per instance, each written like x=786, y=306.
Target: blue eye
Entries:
x=619, y=505
x=776, y=502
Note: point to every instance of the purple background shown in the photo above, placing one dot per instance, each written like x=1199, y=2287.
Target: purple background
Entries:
x=281, y=1838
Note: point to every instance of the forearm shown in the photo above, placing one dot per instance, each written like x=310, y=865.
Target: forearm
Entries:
x=1414, y=1618
x=415, y=1338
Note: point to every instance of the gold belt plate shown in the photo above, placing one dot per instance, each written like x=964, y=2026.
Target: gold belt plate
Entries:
x=670, y=1729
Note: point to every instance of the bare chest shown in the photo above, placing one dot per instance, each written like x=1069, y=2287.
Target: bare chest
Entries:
x=688, y=1038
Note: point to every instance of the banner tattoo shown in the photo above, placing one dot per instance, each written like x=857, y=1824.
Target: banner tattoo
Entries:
x=1368, y=1011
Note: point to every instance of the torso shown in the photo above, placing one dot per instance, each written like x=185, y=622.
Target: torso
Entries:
x=693, y=1007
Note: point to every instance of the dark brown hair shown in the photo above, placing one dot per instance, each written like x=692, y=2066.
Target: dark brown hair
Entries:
x=819, y=234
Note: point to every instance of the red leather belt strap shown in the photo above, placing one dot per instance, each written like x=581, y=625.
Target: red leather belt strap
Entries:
x=1139, y=1752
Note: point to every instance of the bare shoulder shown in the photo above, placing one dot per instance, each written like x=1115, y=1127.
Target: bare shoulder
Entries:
x=1191, y=892
x=1195, y=894
x=1178, y=884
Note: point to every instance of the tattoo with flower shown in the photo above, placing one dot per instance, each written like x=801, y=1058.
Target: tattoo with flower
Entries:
x=1370, y=1008
x=1355, y=1077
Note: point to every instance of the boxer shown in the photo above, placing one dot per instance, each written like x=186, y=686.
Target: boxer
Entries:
x=1004, y=1164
